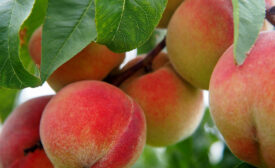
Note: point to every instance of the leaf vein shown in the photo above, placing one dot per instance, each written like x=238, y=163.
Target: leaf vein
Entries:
x=73, y=30
x=120, y=20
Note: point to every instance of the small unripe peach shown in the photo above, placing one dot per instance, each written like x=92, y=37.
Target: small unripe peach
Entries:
x=92, y=124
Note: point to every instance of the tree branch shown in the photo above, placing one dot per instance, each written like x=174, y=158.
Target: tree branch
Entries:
x=144, y=63
x=270, y=15
x=36, y=146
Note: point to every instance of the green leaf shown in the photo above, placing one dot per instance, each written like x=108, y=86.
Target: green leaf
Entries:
x=31, y=24
x=248, y=21
x=150, y=44
x=69, y=27
x=7, y=99
x=123, y=25
x=150, y=158
x=229, y=160
x=244, y=165
x=12, y=72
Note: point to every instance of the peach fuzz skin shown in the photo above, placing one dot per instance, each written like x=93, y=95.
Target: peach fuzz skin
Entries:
x=92, y=124
x=173, y=108
x=242, y=102
x=168, y=12
x=93, y=63
x=198, y=34
x=20, y=132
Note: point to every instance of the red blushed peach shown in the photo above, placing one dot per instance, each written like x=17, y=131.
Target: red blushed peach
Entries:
x=269, y=3
x=173, y=108
x=94, y=62
x=21, y=132
x=36, y=159
x=92, y=124
x=242, y=102
x=198, y=34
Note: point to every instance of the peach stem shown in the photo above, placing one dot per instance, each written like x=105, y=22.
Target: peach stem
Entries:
x=38, y=145
x=144, y=63
x=270, y=15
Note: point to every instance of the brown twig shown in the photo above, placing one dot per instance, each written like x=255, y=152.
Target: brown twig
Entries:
x=144, y=63
x=270, y=15
x=38, y=145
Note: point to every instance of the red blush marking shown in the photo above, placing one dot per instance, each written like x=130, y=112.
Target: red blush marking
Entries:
x=129, y=145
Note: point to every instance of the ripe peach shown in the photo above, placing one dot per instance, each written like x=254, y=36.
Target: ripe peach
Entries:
x=21, y=132
x=269, y=3
x=242, y=102
x=93, y=62
x=37, y=159
x=173, y=108
x=168, y=12
x=198, y=34
x=92, y=124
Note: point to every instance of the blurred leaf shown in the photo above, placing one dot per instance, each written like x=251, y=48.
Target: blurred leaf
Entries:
x=229, y=160
x=12, y=72
x=69, y=27
x=124, y=25
x=244, y=165
x=194, y=151
x=31, y=24
x=150, y=159
x=150, y=44
x=7, y=99
x=248, y=21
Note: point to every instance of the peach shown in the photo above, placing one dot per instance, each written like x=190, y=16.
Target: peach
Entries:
x=269, y=3
x=168, y=12
x=92, y=124
x=93, y=63
x=198, y=34
x=37, y=159
x=242, y=102
x=21, y=132
x=173, y=108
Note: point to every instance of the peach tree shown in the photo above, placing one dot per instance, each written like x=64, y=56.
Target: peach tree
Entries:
x=149, y=112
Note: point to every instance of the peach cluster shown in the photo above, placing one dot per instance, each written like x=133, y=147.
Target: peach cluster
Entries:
x=242, y=97
x=91, y=123
x=198, y=34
